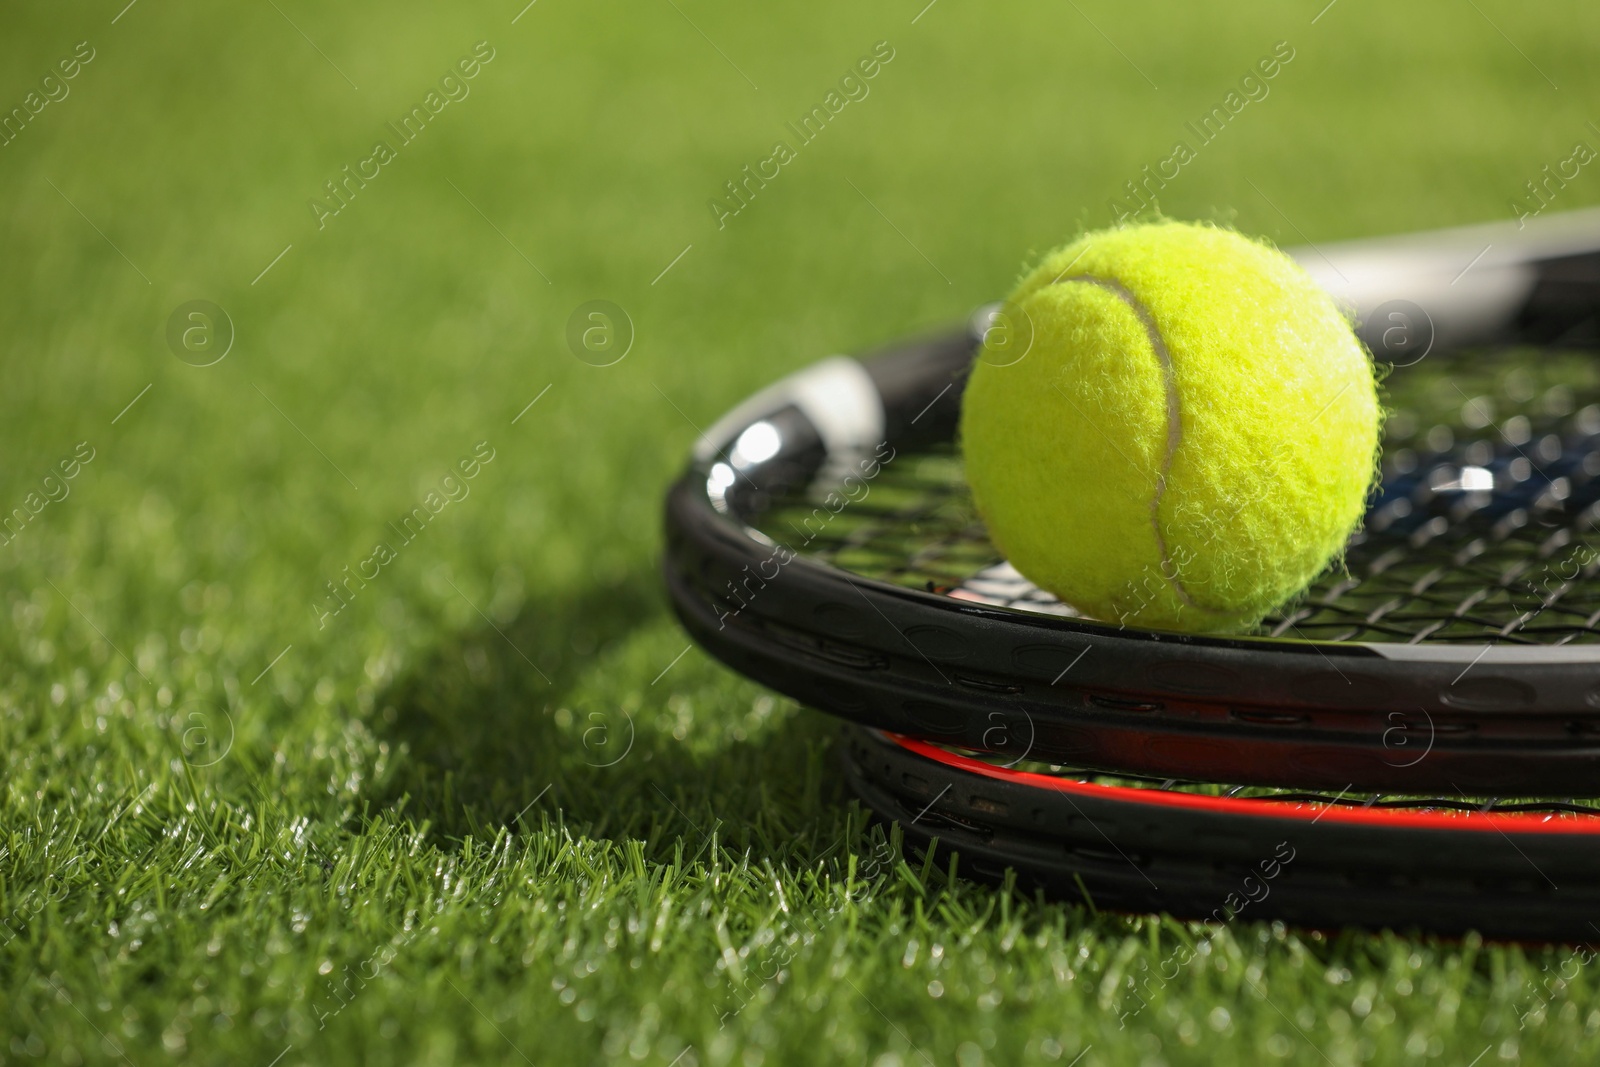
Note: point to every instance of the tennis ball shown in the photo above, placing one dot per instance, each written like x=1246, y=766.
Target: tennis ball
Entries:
x=1170, y=426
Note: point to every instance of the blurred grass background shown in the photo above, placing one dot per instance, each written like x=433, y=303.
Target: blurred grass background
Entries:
x=475, y=790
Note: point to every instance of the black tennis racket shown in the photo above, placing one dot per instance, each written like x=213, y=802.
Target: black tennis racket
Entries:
x=823, y=542
x=1508, y=868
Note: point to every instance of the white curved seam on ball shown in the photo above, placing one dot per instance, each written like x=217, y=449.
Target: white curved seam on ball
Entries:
x=1158, y=345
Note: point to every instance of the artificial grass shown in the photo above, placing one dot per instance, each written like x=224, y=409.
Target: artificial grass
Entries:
x=241, y=829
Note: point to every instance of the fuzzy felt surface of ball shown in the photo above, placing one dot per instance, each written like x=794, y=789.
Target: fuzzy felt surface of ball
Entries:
x=1171, y=426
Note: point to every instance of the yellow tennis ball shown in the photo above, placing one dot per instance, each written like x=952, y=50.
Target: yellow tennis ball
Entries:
x=1171, y=426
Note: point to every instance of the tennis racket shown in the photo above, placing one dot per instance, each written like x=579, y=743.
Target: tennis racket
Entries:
x=823, y=542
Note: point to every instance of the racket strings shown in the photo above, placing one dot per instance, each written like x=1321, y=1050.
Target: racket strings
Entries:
x=1487, y=526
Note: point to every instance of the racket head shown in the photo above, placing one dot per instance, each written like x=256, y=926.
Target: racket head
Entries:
x=821, y=543
x=1516, y=870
